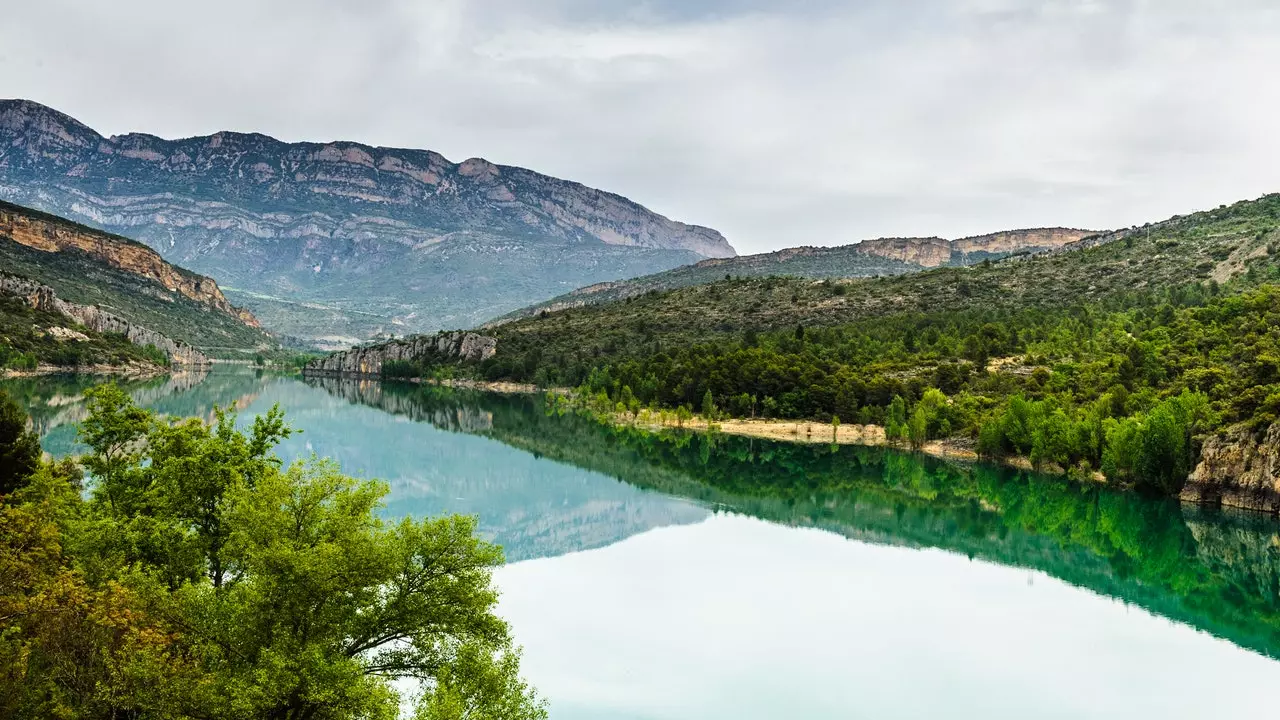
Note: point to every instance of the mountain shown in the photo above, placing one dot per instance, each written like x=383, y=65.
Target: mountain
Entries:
x=313, y=235
x=869, y=258
x=107, y=283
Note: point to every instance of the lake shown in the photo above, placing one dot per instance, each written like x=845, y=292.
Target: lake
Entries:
x=690, y=576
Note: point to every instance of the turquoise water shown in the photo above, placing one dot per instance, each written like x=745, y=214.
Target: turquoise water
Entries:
x=693, y=577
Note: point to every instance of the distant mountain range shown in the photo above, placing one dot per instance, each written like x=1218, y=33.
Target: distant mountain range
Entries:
x=869, y=258
x=335, y=242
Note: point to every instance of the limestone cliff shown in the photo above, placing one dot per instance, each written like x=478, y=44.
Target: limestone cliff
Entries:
x=924, y=252
x=1011, y=241
x=936, y=252
x=49, y=233
x=42, y=297
x=368, y=360
x=1239, y=468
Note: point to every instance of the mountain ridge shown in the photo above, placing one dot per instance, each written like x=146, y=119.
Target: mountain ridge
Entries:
x=405, y=235
x=867, y=258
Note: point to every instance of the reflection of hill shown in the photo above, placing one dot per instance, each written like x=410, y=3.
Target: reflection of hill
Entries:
x=1217, y=572
x=437, y=458
x=56, y=403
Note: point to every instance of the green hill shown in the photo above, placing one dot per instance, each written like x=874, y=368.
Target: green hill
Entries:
x=1120, y=353
x=869, y=258
x=86, y=266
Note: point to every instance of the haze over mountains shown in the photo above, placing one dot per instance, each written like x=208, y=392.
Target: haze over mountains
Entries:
x=334, y=242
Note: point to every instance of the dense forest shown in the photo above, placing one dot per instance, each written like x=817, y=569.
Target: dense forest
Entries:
x=1111, y=357
x=199, y=578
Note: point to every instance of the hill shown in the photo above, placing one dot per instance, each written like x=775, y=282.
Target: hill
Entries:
x=869, y=258
x=1149, y=354
x=110, y=275
x=386, y=239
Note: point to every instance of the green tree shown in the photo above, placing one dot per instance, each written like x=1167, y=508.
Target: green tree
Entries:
x=896, y=428
x=708, y=407
x=19, y=447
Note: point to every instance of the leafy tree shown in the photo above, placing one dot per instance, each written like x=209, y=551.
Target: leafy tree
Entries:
x=203, y=580
x=19, y=447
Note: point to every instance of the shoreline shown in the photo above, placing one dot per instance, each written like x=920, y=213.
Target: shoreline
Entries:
x=132, y=371
x=812, y=432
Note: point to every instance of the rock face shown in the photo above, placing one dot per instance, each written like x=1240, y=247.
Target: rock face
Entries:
x=42, y=297
x=48, y=233
x=404, y=234
x=368, y=361
x=1011, y=241
x=924, y=252
x=936, y=252
x=1239, y=469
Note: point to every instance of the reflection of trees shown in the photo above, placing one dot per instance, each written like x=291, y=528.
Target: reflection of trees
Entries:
x=56, y=402
x=1219, y=572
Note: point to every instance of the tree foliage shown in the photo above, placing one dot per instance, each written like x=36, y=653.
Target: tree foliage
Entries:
x=201, y=579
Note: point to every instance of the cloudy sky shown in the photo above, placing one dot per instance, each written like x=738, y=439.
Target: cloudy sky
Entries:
x=779, y=123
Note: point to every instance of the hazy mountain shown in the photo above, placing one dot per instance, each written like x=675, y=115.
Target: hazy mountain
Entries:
x=318, y=236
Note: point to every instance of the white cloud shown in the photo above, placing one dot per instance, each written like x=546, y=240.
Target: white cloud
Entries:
x=800, y=123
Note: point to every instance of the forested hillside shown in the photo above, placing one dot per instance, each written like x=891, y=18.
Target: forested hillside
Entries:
x=1114, y=356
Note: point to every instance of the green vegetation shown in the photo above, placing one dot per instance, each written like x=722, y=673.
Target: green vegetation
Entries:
x=846, y=261
x=1113, y=357
x=80, y=278
x=201, y=579
x=26, y=341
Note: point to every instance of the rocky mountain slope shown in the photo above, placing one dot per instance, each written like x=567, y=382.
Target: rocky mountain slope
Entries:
x=869, y=258
x=389, y=239
x=91, y=319
x=110, y=283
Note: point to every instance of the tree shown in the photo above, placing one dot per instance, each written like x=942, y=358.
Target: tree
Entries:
x=708, y=406
x=210, y=582
x=896, y=422
x=19, y=447
x=327, y=604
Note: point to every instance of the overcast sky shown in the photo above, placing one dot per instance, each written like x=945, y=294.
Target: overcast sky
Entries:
x=778, y=123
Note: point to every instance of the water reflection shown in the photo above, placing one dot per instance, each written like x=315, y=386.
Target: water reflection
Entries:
x=544, y=485
x=1216, y=571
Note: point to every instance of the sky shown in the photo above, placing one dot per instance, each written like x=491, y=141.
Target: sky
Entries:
x=808, y=122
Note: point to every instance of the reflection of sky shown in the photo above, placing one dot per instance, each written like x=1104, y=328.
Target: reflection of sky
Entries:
x=739, y=618
x=531, y=506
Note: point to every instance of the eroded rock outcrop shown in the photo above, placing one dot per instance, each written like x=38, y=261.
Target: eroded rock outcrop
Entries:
x=42, y=297
x=936, y=252
x=368, y=360
x=48, y=233
x=1239, y=468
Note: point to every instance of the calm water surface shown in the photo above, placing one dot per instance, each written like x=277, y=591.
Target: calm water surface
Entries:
x=694, y=577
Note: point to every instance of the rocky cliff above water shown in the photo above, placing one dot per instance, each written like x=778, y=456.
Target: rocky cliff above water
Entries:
x=42, y=297
x=368, y=361
x=1239, y=468
x=404, y=239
